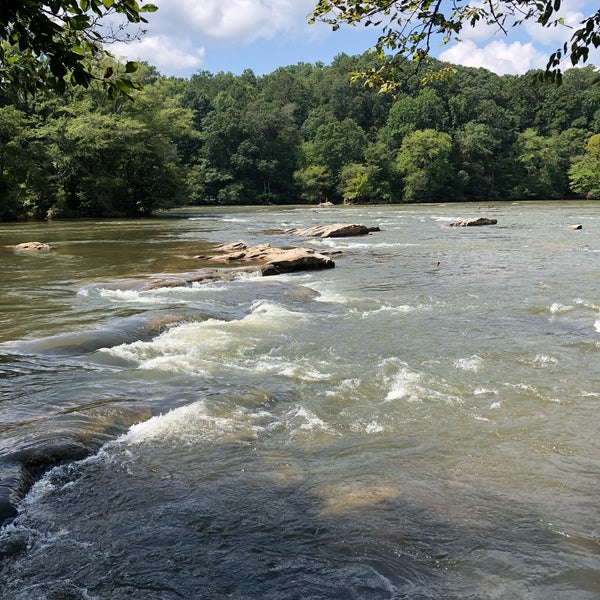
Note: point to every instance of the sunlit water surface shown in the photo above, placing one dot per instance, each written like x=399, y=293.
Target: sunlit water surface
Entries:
x=419, y=422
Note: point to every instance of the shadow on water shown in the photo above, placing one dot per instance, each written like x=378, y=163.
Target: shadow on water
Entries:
x=123, y=526
x=31, y=448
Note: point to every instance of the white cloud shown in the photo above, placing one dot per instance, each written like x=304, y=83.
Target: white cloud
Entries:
x=498, y=56
x=526, y=46
x=161, y=52
x=186, y=35
x=236, y=21
x=182, y=33
x=555, y=34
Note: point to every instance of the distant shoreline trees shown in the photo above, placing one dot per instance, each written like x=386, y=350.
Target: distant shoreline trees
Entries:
x=298, y=134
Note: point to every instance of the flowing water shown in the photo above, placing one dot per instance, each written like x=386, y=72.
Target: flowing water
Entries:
x=419, y=422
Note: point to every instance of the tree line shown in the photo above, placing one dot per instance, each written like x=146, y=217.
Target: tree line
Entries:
x=299, y=134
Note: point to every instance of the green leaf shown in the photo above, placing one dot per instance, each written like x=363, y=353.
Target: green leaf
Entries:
x=132, y=66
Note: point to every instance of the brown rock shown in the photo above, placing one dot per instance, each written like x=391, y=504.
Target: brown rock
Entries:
x=333, y=231
x=295, y=259
x=272, y=260
x=474, y=222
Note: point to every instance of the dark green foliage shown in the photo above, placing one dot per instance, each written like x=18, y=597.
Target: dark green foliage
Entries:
x=87, y=156
x=52, y=44
x=299, y=134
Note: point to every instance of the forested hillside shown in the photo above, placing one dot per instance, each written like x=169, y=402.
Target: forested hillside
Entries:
x=299, y=134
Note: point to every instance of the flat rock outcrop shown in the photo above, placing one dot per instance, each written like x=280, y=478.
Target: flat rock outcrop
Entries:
x=333, y=231
x=32, y=247
x=270, y=260
x=474, y=222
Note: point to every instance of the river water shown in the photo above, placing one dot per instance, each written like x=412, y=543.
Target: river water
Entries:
x=419, y=422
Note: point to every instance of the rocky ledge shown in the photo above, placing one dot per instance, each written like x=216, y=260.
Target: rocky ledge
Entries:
x=333, y=231
x=270, y=260
x=474, y=222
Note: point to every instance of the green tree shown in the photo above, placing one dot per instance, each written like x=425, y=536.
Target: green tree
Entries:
x=538, y=161
x=109, y=163
x=314, y=183
x=424, y=162
x=264, y=160
x=221, y=135
x=383, y=175
x=584, y=174
x=356, y=183
x=335, y=144
x=423, y=111
x=49, y=43
x=409, y=27
x=477, y=149
x=12, y=134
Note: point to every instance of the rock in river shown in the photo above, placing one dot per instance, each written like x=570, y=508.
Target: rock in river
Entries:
x=474, y=222
x=334, y=230
x=271, y=261
x=32, y=247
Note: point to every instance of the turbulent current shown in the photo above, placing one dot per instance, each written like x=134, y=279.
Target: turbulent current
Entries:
x=419, y=422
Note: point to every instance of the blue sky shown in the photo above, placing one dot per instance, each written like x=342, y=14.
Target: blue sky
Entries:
x=185, y=36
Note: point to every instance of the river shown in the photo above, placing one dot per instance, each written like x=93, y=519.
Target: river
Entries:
x=419, y=422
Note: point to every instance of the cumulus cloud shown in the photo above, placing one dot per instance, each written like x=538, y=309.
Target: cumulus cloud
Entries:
x=162, y=52
x=187, y=35
x=555, y=34
x=241, y=21
x=498, y=56
x=182, y=33
x=526, y=46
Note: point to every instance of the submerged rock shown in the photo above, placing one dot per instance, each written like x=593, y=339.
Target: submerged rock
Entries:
x=474, y=222
x=333, y=230
x=72, y=435
x=200, y=276
x=32, y=247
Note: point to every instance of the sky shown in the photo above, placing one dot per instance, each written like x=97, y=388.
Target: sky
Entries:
x=187, y=36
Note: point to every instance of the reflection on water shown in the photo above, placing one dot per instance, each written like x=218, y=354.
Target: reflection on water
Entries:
x=418, y=422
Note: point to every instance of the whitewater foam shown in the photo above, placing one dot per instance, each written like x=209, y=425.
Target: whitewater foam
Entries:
x=193, y=423
x=203, y=346
x=405, y=386
x=557, y=308
x=471, y=363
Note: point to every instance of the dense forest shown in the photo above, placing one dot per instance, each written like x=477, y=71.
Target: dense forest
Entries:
x=299, y=134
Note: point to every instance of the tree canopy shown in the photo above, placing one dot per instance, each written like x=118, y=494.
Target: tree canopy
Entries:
x=410, y=26
x=47, y=44
x=299, y=134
